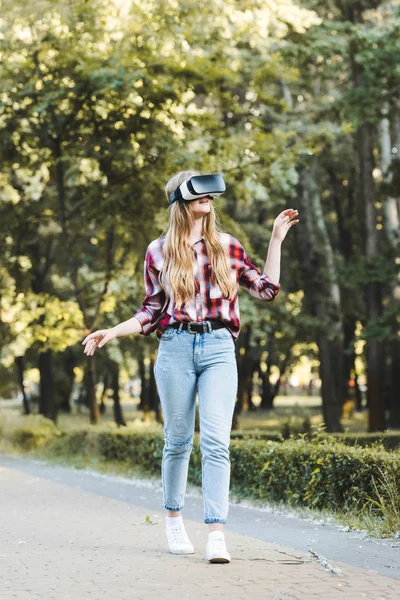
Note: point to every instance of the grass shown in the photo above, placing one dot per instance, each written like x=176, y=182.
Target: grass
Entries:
x=293, y=409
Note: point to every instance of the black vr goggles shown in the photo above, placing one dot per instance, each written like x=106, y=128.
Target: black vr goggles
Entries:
x=199, y=186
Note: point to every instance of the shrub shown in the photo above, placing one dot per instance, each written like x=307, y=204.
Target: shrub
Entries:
x=318, y=472
x=28, y=432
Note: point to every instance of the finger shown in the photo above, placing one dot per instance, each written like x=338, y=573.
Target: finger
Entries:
x=91, y=350
x=288, y=214
x=104, y=341
x=294, y=222
x=89, y=337
x=91, y=344
x=85, y=338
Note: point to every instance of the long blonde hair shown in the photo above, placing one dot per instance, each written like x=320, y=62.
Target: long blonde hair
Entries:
x=178, y=253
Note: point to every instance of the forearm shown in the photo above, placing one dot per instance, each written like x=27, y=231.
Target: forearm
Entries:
x=128, y=327
x=272, y=266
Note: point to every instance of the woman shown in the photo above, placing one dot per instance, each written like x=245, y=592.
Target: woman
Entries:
x=192, y=274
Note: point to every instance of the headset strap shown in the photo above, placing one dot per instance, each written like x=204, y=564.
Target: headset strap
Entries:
x=176, y=195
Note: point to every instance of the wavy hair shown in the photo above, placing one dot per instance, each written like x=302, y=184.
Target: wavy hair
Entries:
x=178, y=253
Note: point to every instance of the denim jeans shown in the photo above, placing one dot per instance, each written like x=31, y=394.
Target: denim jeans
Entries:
x=186, y=364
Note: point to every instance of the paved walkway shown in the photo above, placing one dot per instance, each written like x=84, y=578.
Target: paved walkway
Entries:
x=59, y=541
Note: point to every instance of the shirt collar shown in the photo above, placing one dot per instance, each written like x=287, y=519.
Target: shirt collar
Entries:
x=199, y=240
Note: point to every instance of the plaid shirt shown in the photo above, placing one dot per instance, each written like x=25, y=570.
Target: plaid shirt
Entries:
x=207, y=302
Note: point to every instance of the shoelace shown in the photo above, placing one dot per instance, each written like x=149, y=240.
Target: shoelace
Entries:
x=219, y=544
x=179, y=534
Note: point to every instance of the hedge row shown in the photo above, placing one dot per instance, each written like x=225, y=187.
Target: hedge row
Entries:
x=321, y=472
x=316, y=473
x=389, y=440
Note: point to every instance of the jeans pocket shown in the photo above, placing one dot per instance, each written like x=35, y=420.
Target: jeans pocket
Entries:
x=168, y=334
x=222, y=334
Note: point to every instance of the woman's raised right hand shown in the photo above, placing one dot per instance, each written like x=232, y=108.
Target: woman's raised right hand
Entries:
x=97, y=339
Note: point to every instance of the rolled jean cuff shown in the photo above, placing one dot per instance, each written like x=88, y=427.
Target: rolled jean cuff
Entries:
x=213, y=520
x=171, y=508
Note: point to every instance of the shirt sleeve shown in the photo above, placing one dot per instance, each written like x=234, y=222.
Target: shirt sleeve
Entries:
x=257, y=284
x=153, y=304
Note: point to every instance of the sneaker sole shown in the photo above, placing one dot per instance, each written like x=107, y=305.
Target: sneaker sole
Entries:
x=181, y=552
x=219, y=560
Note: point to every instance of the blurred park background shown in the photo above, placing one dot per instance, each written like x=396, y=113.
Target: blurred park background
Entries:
x=297, y=104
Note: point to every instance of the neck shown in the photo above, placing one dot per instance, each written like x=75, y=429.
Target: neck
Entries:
x=197, y=229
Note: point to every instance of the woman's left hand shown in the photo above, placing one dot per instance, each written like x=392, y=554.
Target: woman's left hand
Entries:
x=283, y=223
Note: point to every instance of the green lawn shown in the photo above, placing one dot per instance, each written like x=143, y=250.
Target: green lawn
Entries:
x=292, y=409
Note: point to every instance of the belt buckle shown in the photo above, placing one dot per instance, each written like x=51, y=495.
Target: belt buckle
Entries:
x=189, y=330
x=204, y=325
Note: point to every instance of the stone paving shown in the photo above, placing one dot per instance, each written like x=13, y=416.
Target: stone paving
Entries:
x=60, y=542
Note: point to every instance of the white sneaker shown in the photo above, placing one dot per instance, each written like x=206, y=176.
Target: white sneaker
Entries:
x=178, y=541
x=216, y=551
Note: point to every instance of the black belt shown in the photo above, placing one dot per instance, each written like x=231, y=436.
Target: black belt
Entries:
x=201, y=327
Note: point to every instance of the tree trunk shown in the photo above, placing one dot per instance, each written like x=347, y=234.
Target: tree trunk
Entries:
x=154, y=399
x=359, y=403
x=118, y=416
x=367, y=196
x=20, y=364
x=46, y=402
x=391, y=224
x=102, y=407
x=91, y=391
x=267, y=392
x=330, y=384
x=394, y=400
x=250, y=367
x=349, y=355
x=374, y=349
x=323, y=295
x=144, y=391
x=241, y=353
x=67, y=383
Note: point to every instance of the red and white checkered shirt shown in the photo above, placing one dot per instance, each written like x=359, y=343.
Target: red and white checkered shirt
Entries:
x=207, y=302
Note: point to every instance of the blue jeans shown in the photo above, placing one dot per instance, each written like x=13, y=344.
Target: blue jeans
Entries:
x=186, y=364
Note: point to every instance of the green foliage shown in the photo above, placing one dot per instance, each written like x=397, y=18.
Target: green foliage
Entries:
x=103, y=101
x=388, y=440
x=317, y=472
x=30, y=432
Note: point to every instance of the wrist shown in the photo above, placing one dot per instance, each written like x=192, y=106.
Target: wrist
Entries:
x=275, y=238
x=115, y=331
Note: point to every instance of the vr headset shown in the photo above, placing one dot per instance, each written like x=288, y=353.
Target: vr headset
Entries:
x=199, y=186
